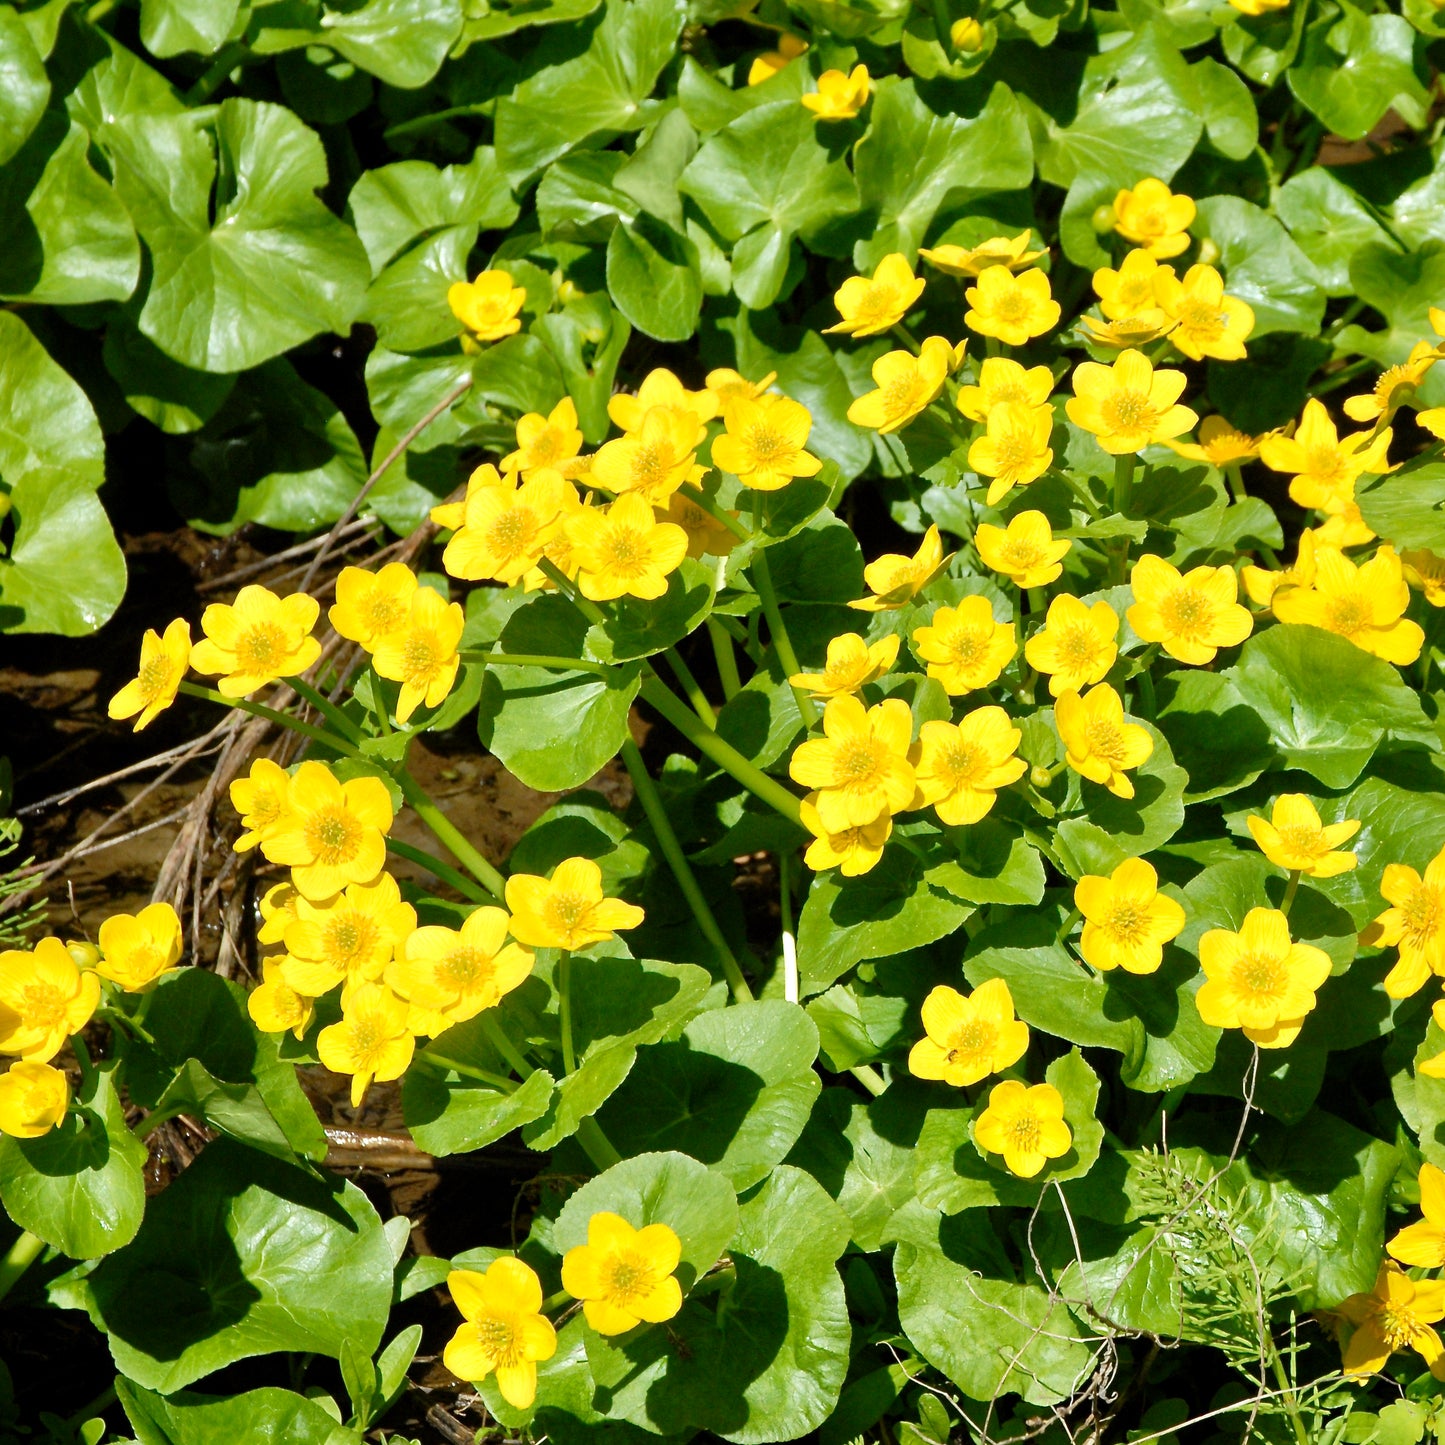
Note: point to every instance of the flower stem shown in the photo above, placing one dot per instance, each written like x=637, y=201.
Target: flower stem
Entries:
x=652, y=806
x=901, y=332
x=383, y=722
x=1124, y=482
x=763, y=581
x=18, y=1258
x=153, y=1121
x=695, y=695
x=590, y=610
x=1235, y=473
x=468, y=1071
x=501, y=1041
x=564, y=1010
x=534, y=659
x=444, y=872
x=256, y=709
x=599, y=1147
x=326, y=708
x=1086, y=498
x=726, y=658
x=448, y=833
x=870, y=1078
x=1289, y=892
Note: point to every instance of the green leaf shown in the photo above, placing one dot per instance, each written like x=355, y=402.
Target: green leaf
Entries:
x=176, y=27
x=914, y=159
x=243, y=1256
x=653, y=279
x=401, y=42
x=1125, y=1276
x=50, y=430
x=635, y=628
x=449, y=1113
x=260, y=1417
x=1402, y=287
x=80, y=1187
x=234, y=1109
x=503, y=19
x=24, y=85
x=1327, y=703
x=994, y=865
x=1222, y=744
x=734, y=1090
x=407, y=303
x=1329, y=223
x=170, y=396
x=1408, y=505
x=587, y=338
x=271, y=270
x=649, y=177
x=1228, y=108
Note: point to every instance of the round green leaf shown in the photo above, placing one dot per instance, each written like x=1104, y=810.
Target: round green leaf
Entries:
x=653, y=278
x=175, y=27
x=24, y=85
x=401, y=42
x=259, y=1417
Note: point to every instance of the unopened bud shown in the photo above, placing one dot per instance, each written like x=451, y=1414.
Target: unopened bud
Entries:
x=1208, y=252
x=1103, y=220
x=82, y=954
x=966, y=35
x=1040, y=776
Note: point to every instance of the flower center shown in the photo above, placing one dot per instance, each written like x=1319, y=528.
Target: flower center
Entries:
x=1126, y=922
x=1079, y=646
x=1187, y=612
x=1106, y=740
x=1326, y=464
x=961, y=764
x=1013, y=305
x=464, y=968
x=1022, y=555
x=501, y=1339
x=1200, y=316
x=420, y=657
x=1302, y=839
x=44, y=1005
x=350, y=937
x=629, y=1277
x=384, y=613
x=567, y=909
x=1421, y=914
x=972, y=1041
x=1396, y=1325
x=155, y=679
x=260, y=647
x=768, y=447
x=333, y=835
x=900, y=396
x=1015, y=451
x=1348, y=613
x=1025, y=1133
x=966, y=647
x=546, y=447
x=625, y=552
x=1260, y=978
x=511, y=534
x=1128, y=411
x=878, y=301
x=650, y=466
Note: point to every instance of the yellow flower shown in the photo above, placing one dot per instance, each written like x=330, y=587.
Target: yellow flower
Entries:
x=369, y=605
x=851, y=663
x=1133, y=331
x=906, y=384
x=1259, y=7
x=44, y=998
x=860, y=765
x=870, y=304
x=1001, y=379
x=623, y=550
x=1015, y=450
x=569, y=910
x=1129, y=404
x=1010, y=308
x=1262, y=584
x=1425, y=570
x=706, y=535
x=660, y=387
x=451, y=515
x=1414, y=924
x=964, y=647
x=33, y=1099
x=1344, y=526
x=1025, y=1125
x=137, y=948
x=895, y=580
x=263, y=799
x=1259, y=981
x=488, y=306
x=1294, y=838
x=1325, y=466
x=163, y=664
x=278, y=912
x=763, y=444
x=1192, y=615
x=1434, y=1068
x=967, y=35
x=1076, y=645
x=623, y=1275
x=1364, y=604
x=839, y=96
x=1433, y=421
x=1098, y=743
x=968, y=1037
x=1423, y=1244
x=1395, y=386
x=960, y=767
x=770, y=62
x=335, y=832
x=853, y=850
x=547, y=441
x=350, y=938
x=729, y=386
x=1129, y=291
x=654, y=459
x=1127, y=920
x=275, y=1007
x=422, y=654
x=259, y=638
x=505, y=1332
x=507, y=527
x=1396, y=1315
x=1152, y=216
x=1012, y=252
x=371, y=1040
x=1025, y=552
x=1219, y=444
x=460, y=972
x=1209, y=323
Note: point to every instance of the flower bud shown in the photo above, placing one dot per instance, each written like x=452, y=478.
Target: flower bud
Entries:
x=1208, y=252
x=1103, y=220
x=966, y=35
x=1040, y=776
x=82, y=953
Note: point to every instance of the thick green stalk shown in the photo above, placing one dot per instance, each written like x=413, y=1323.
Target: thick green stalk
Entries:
x=18, y=1258
x=443, y=871
x=559, y=579
x=283, y=719
x=1290, y=889
x=1124, y=482
x=725, y=657
x=690, y=686
x=599, y=1147
x=448, y=833
x=533, y=659
x=763, y=580
x=326, y=708
x=564, y=1010
x=467, y=1071
x=502, y=1042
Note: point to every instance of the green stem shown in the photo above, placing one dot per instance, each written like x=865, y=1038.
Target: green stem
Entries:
x=1289, y=892
x=564, y=1010
x=82, y=1058
x=726, y=659
x=1235, y=473
x=18, y=1258
x=711, y=746
x=102, y=1401
x=1086, y=498
x=1067, y=926
x=229, y=58
x=383, y=722
x=283, y=719
x=590, y=610
x=870, y=1078
x=763, y=581
x=535, y=659
x=1146, y=694
x=1124, y=482
x=901, y=333
x=701, y=499
x=1301, y=1435
x=153, y=1121
x=437, y=117
x=468, y=1071
x=691, y=689
x=599, y=1147
x=1344, y=376
x=448, y=833
x=327, y=709
x=444, y=872
x=652, y=806
x=502, y=1042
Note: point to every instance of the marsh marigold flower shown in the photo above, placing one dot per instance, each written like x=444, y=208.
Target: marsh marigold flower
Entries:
x=1098, y=743
x=568, y=910
x=1219, y=444
x=504, y=1332
x=352, y=937
x=44, y=998
x=335, y=832
x=1324, y=465
x=653, y=460
x=263, y=799
x=661, y=387
x=968, y=1036
x=1422, y=1244
x=370, y=1042
x=1258, y=980
x=770, y=62
x=1076, y=646
x=257, y=639
x=853, y=850
x=278, y=909
x=1128, y=291
x=462, y=971
x=1152, y=216
x=1129, y=404
x=1394, y=387
x=488, y=307
x=729, y=386
x=1414, y=924
x=1396, y=1315
x=136, y=949
x=905, y=385
x=860, y=765
x=1002, y=379
x=1207, y=323
x=371, y=604
x=554, y=441
x=895, y=580
x=964, y=647
x=422, y=653
x=1434, y=1067
x=1259, y=7
x=1127, y=920
x=851, y=663
x=33, y=1099
x=870, y=304
x=960, y=767
x=1131, y=332
x=1363, y=604
x=1024, y=1124
x=706, y=534
x=1262, y=584
x=452, y=515
x=623, y=550
x=277, y=1008
x=1294, y=838
x=1010, y=251
x=506, y=527
x=1191, y=615
x=839, y=96
x=1025, y=552
x=163, y=664
x=1011, y=308
x=1014, y=450
x=1426, y=570
x=763, y=445
x=622, y=1275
